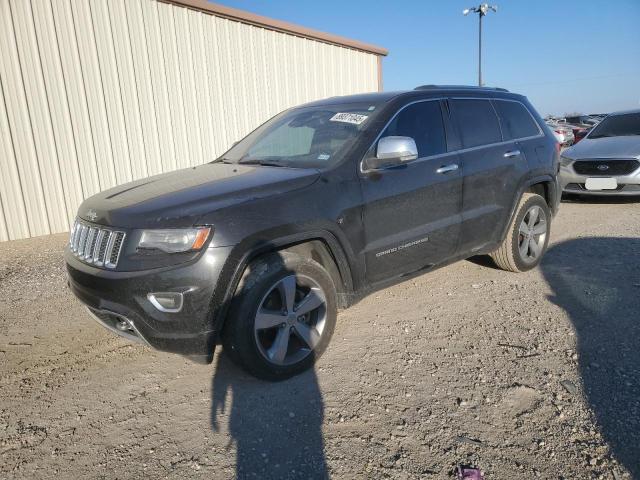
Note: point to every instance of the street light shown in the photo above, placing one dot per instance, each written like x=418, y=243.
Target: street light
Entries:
x=481, y=10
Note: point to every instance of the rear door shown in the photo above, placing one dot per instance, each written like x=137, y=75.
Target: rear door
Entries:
x=412, y=212
x=492, y=169
x=519, y=125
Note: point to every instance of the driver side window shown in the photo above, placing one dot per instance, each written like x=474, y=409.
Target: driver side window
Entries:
x=421, y=121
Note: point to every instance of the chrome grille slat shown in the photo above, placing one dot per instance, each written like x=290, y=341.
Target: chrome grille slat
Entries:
x=83, y=238
x=113, y=253
x=72, y=236
x=107, y=252
x=88, y=245
x=96, y=248
x=96, y=245
x=76, y=236
x=102, y=253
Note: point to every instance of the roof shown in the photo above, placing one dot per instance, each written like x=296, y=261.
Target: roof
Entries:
x=420, y=92
x=472, y=88
x=375, y=97
x=277, y=25
x=626, y=112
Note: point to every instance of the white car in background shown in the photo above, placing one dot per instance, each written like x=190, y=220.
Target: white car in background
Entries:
x=564, y=134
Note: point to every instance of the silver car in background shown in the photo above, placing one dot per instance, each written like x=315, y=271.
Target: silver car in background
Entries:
x=607, y=160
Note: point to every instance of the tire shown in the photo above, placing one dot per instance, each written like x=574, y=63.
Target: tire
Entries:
x=523, y=247
x=291, y=342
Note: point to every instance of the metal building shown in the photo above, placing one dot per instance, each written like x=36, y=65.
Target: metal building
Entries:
x=94, y=93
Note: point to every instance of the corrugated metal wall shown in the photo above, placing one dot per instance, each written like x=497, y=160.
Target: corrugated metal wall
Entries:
x=94, y=93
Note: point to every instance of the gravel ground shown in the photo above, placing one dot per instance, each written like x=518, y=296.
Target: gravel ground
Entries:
x=523, y=375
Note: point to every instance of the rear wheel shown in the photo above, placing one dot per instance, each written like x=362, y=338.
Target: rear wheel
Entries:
x=528, y=236
x=282, y=317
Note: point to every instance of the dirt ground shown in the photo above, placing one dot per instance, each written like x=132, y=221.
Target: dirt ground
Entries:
x=532, y=375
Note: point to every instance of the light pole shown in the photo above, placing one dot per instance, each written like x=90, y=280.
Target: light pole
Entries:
x=481, y=10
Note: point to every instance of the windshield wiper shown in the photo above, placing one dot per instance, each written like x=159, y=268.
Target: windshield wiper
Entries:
x=266, y=163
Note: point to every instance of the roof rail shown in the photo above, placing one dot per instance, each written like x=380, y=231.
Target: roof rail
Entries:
x=459, y=87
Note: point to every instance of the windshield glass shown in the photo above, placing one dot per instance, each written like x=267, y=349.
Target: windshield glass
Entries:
x=617, y=126
x=306, y=137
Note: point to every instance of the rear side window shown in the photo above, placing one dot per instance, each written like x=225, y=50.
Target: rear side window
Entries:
x=477, y=121
x=516, y=120
x=423, y=122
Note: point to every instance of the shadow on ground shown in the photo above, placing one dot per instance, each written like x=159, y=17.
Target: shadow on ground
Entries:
x=597, y=282
x=276, y=427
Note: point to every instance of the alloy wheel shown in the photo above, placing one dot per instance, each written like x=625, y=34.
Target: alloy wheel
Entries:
x=290, y=320
x=532, y=234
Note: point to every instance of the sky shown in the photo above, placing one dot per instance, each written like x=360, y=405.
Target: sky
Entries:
x=566, y=56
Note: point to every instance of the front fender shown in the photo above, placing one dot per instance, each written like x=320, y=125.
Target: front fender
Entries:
x=265, y=242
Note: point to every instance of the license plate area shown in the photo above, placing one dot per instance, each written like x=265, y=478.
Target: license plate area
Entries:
x=601, y=184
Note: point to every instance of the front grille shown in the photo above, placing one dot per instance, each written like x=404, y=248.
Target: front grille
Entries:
x=605, y=168
x=96, y=245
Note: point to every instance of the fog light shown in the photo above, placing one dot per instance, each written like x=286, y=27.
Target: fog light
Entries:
x=166, y=301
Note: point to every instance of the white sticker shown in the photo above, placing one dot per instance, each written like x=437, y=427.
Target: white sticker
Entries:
x=324, y=156
x=354, y=118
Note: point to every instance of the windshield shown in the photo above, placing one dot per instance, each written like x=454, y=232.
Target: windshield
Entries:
x=306, y=137
x=617, y=126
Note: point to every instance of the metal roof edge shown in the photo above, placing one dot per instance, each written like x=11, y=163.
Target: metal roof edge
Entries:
x=277, y=25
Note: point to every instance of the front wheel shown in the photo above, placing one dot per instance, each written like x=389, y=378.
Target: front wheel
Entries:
x=282, y=316
x=528, y=236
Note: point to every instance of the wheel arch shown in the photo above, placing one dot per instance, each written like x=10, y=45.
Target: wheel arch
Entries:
x=546, y=189
x=545, y=186
x=322, y=246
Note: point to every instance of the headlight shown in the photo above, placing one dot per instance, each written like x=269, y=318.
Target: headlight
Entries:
x=565, y=161
x=174, y=240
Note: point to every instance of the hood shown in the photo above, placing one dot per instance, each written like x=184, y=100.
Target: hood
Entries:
x=180, y=198
x=606, y=147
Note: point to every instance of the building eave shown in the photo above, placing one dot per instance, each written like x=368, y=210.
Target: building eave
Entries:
x=277, y=25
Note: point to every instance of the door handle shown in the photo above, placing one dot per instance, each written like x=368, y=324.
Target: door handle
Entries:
x=448, y=168
x=512, y=153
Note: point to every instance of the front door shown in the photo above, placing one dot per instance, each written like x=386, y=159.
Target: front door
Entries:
x=412, y=211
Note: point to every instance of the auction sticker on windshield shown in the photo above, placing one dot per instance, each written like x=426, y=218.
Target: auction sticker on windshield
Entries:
x=354, y=118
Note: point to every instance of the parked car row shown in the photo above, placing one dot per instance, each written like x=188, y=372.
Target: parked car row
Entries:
x=563, y=133
x=570, y=130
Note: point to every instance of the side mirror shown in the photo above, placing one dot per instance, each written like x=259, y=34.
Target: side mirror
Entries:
x=392, y=151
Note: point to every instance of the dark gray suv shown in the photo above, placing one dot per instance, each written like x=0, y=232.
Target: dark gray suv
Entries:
x=315, y=209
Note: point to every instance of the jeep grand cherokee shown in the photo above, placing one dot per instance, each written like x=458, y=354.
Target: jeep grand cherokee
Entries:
x=319, y=206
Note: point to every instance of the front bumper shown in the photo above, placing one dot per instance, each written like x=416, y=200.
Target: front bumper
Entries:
x=117, y=299
x=572, y=182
